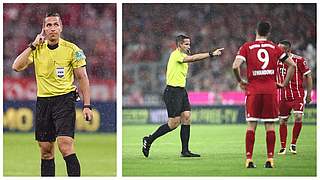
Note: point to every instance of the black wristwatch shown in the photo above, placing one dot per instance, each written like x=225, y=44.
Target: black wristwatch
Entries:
x=211, y=54
x=87, y=106
x=32, y=47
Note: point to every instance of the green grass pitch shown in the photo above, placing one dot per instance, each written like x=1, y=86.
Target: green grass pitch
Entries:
x=96, y=153
x=222, y=149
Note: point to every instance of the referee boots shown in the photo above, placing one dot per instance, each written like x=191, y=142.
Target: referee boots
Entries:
x=189, y=154
x=145, y=146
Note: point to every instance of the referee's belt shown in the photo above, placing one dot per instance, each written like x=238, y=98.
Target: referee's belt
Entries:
x=57, y=96
x=176, y=87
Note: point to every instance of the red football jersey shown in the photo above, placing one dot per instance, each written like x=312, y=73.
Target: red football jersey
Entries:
x=261, y=57
x=294, y=90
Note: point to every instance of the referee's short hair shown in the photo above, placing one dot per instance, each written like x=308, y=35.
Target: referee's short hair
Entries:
x=263, y=28
x=53, y=14
x=180, y=38
x=286, y=43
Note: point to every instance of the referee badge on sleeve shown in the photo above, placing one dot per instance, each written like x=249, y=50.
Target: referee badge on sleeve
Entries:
x=79, y=55
x=60, y=72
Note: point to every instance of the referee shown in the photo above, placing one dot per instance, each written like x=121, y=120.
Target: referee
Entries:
x=176, y=96
x=56, y=62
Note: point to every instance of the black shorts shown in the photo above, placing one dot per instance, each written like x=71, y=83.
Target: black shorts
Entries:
x=176, y=100
x=55, y=116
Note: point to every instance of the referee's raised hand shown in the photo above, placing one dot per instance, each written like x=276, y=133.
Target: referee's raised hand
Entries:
x=40, y=38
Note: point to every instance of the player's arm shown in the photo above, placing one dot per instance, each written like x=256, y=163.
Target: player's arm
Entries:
x=82, y=77
x=22, y=61
x=201, y=56
x=236, y=71
x=291, y=68
x=309, y=87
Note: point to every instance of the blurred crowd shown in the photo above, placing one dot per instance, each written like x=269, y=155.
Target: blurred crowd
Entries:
x=149, y=32
x=92, y=27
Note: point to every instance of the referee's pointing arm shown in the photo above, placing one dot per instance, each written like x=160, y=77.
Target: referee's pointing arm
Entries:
x=200, y=56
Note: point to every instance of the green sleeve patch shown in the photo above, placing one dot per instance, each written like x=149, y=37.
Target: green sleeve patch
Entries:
x=79, y=55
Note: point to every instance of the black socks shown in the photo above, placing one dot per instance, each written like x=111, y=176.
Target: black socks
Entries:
x=47, y=167
x=73, y=165
x=163, y=129
x=184, y=137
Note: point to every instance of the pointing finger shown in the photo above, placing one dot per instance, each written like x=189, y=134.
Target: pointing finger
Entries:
x=42, y=32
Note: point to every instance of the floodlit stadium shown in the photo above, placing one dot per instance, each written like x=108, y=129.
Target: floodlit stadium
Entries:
x=217, y=102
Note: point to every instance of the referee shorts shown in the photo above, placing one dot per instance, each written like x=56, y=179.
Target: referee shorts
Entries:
x=176, y=100
x=55, y=116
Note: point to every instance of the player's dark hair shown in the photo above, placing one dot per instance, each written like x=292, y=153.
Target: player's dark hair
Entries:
x=286, y=43
x=263, y=28
x=180, y=38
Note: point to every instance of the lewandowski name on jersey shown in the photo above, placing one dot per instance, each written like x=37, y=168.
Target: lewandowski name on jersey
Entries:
x=263, y=72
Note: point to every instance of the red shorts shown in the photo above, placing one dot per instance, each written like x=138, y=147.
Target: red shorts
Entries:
x=286, y=106
x=262, y=107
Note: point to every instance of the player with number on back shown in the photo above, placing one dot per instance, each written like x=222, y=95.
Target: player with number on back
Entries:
x=261, y=58
x=292, y=97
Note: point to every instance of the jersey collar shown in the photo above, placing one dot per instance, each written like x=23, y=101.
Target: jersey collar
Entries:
x=52, y=47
